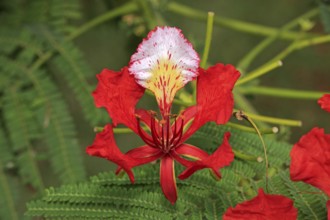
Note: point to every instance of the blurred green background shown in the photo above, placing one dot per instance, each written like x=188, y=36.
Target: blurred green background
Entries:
x=45, y=26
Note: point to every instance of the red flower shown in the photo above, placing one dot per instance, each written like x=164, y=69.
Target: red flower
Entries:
x=263, y=207
x=164, y=62
x=324, y=102
x=310, y=160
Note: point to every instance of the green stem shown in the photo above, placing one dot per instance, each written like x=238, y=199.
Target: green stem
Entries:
x=279, y=92
x=273, y=120
x=148, y=14
x=207, y=45
x=243, y=115
x=122, y=130
x=208, y=38
x=312, y=41
x=272, y=130
x=259, y=72
x=242, y=103
x=124, y=9
x=284, y=53
x=118, y=130
x=300, y=44
x=246, y=157
x=249, y=57
x=231, y=23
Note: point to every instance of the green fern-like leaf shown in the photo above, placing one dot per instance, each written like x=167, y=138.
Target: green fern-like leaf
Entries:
x=58, y=128
x=22, y=130
x=310, y=205
x=58, y=15
x=6, y=156
x=70, y=60
x=8, y=200
x=200, y=196
x=60, y=134
x=92, y=196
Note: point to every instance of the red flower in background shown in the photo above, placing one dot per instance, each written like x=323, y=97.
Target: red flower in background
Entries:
x=328, y=208
x=263, y=207
x=310, y=160
x=324, y=102
x=164, y=62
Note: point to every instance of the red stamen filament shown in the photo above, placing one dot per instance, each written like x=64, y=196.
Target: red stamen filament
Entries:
x=178, y=136
x=164, y=137
x=168, y=123
x=154, y=133
x=143, y=135
x=162, y=122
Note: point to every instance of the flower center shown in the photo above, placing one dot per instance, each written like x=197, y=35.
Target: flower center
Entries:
x=165, y=133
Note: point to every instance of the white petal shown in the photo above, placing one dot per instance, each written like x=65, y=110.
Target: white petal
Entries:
x=164, y=43
x=164, y=62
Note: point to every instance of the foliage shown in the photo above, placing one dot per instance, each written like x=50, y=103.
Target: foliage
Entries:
x=44, y=73
x=200, y=197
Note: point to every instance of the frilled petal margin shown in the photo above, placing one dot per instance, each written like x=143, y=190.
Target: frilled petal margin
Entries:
x=324, y=102
x=223, y=156
x=310, y=160
x=105, y=146
x=214, y=96
x=263, y=207
x=167, y=178
x=118, y=93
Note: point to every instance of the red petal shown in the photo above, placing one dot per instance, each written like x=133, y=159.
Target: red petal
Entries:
x=167, y=178
x=324, y=102
x=223, y=156
x=263, y=207
x=189, y=151
x=143, y=152
x=310, y=160
x=214, y=96
x=104, y=146
x=142, y=155
x=118, y=93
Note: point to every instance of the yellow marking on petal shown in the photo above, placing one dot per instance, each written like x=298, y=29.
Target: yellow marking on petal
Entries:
x=191, y=157
x=165, y=81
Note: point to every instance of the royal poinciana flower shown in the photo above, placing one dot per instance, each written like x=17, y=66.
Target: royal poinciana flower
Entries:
x=324, y=102
x=328, y=208
x=263, y=207
x=310, y=160
x=164, y=62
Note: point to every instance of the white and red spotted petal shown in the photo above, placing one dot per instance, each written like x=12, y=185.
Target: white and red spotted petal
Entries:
x=164, y=62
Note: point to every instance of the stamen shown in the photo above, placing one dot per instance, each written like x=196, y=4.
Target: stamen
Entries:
x=154, y=133
x=178, y=138
x=142, y=133
x=168, y=123
x=162, y=122
x=173, y=132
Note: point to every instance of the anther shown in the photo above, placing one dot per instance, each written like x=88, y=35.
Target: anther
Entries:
x=152, y=113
